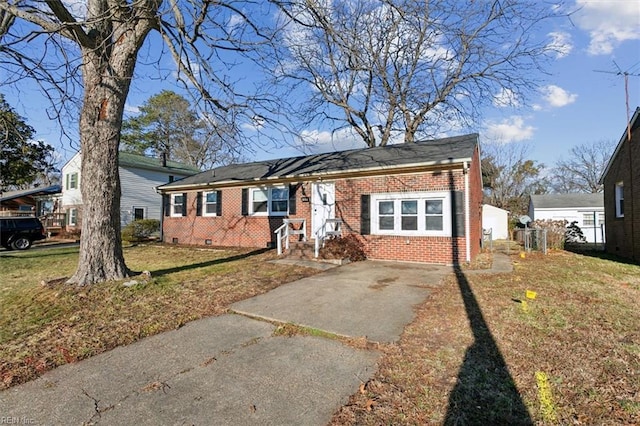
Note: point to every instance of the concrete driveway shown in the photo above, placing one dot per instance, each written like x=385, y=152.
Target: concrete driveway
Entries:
x=232, y=370
x=363, y=299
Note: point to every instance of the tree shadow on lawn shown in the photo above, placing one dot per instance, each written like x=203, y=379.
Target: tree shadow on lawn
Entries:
x=485, y=392
x=161, y=272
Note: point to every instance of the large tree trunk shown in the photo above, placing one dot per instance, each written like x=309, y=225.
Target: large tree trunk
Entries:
x=107, y=72
x=101, y=256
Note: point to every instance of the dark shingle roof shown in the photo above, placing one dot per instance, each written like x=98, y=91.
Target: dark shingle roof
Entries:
x=127, y=159
x=432, y=152
x=11, y=195
x=565, y=201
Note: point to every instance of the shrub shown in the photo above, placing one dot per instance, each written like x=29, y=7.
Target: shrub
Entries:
x=140, y=230
x=555, y=231
x=574, y=234
x=349, y=247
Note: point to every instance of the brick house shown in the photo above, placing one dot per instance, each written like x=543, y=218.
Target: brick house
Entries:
x=621, y=180
x=416, y=202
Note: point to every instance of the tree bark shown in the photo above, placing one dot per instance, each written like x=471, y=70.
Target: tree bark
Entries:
x=107, y=71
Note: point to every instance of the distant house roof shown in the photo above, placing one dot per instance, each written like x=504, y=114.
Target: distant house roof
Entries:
x=634, y=124
x=445, y=151
x=127, y=159
x=567, y=201
x=12, y=195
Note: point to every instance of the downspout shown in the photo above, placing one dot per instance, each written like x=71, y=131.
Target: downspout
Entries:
x=467, y=222
x=161, y=214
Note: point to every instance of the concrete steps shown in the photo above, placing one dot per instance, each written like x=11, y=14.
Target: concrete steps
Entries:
x=301, y=250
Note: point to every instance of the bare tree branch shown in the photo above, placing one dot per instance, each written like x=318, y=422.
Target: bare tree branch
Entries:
x=406, y=67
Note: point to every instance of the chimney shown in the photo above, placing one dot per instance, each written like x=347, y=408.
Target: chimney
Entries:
x=164, y=159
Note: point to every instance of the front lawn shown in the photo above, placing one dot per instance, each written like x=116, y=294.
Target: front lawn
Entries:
x=477, y=355
x=42, y=327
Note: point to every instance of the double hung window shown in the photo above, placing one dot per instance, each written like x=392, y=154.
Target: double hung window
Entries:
x=270, y=201
x=177, y=204
x=210, y=201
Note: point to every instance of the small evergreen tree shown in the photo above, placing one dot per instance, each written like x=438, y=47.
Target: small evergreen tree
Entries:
x=574, y=234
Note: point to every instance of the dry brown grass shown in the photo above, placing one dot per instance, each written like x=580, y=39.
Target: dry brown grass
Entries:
x=472, y=354
x=42, y=327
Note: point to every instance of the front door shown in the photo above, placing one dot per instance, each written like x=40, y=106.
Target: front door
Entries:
x=323, y=199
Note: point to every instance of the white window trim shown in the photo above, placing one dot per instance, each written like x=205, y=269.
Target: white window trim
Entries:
x=71, y=177
x=173, y=204
x=619, y=196
x=397, y=197
x=73, y=218
x=204, y=203
x=269, y=212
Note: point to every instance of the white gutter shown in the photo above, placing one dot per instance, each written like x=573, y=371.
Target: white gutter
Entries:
x=467, y=223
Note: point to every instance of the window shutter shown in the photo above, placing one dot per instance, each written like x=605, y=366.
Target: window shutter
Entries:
x=166, y=204
x=184, y=204
x=67, y=181
x=245, y=201
x=199, y=204
x=458, y=228
x=218, y=203
x=292, y=199
x=365, y=214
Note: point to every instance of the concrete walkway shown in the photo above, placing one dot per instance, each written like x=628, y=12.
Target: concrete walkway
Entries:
x=232, y=370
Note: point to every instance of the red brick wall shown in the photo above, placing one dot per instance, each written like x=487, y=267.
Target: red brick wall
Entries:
x=233, y=229
x=622, y=235
x=405, y=248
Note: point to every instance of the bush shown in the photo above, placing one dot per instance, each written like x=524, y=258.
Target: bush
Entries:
x=555, y=231
x=349, y=247
x=574, y=234
x=140, y=230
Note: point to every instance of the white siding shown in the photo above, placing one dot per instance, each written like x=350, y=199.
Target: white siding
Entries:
x=592, y=233
x=71, y=197
x=497, y=220
x=139, y=190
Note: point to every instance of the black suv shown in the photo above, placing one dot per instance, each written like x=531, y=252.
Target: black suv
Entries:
x=19, y=232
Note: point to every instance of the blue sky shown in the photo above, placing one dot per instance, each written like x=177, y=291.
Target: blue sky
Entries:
x=582, y=99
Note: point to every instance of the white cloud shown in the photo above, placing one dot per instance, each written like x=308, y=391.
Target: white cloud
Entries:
x=77, y=8
x=130, y=109
x=557, y=97
x=235, y=21
x=609, y=23
x=512, y=129
x=257, y=123
x=560, y=44
x=506, y=98
x=320, y=141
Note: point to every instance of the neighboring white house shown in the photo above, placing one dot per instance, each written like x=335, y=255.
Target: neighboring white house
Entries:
x=139, y=177
x=585, y=209
x=497, y=220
